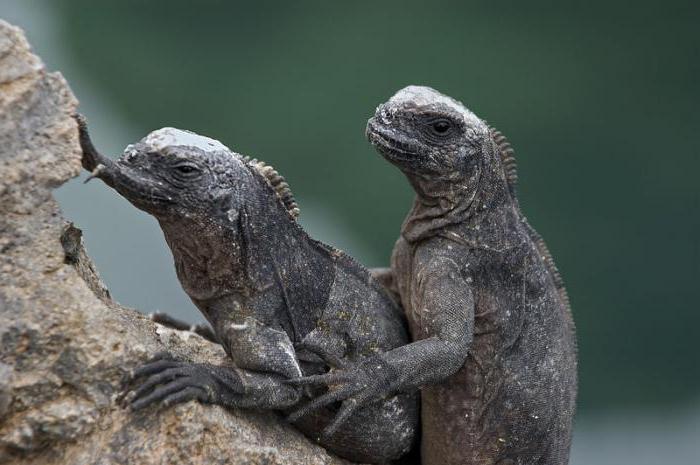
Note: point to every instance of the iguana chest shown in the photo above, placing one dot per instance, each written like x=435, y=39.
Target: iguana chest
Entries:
x=501, y=282
x=205, y=259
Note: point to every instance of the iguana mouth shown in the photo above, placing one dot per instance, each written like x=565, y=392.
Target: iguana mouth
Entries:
x=134, y=188
x=127, y=182
x=388, y=144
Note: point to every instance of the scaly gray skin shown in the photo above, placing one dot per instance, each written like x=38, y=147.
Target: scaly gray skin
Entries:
x=281, y=304
x=495, y=344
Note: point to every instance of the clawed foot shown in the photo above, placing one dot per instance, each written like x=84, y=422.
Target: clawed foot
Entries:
x=91, y=158
x=168, y=381
x=355, y=387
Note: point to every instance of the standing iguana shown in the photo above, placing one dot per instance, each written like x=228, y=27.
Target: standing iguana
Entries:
x=281, y=304
x=495, y=344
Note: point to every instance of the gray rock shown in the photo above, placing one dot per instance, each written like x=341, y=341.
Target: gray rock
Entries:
x=64, y=344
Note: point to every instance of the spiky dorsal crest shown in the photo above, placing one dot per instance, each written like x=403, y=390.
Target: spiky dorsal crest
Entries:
x=278, y=184
x=510, y=167
x=510, y=170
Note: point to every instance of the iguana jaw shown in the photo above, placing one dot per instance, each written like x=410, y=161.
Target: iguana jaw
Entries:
x=141, y=191
x=389, y=145
x=138, y=189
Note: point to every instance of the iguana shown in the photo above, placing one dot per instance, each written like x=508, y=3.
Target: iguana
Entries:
x=494, y=348
x=281, y=304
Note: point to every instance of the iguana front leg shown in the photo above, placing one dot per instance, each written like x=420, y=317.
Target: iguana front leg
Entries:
x=445, y=327
x=264, y=358
x=167, y=381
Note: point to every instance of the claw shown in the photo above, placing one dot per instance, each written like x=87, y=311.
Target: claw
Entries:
x=79, y=118
x=326, y=379
x=158, y=363
x=164, y=393
x=346, y=411
x=95, y=173
x=320, y=402
x=126, y=398
x=91, y=158
x=152, y=368
x=167, y=375
x=186, y=395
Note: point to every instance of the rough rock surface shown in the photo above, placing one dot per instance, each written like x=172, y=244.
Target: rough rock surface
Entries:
x=64, y=344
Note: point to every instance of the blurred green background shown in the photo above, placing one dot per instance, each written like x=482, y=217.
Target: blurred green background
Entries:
x=598, y=98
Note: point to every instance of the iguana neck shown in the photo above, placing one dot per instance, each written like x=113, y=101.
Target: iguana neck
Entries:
x=475, y=209
x=438, y=203
x=207, y=265
x=272, y=242
x=245, y=253
x=281, y=261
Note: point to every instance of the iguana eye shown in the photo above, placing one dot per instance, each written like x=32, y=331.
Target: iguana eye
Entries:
x=441, y=126
x=187, y=169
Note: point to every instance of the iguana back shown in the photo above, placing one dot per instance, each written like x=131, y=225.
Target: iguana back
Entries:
x=510, y=172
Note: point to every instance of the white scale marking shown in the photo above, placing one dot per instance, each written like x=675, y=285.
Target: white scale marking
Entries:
x=426, y=96
x=170, y=137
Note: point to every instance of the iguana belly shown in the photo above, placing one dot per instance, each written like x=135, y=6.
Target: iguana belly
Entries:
x=496, y=412
x=512, y=400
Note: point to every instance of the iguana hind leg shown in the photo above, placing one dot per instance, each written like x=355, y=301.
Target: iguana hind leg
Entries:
x=377, y=433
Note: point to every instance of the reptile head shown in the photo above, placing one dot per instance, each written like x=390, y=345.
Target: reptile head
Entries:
x=424, y=132
x=173, y=173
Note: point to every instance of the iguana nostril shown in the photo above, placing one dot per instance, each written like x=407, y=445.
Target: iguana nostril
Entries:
x=130, y=153
x=385, y=116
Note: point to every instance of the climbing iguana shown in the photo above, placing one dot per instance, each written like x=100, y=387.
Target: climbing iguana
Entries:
x=281, y=304
x=494, y=346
